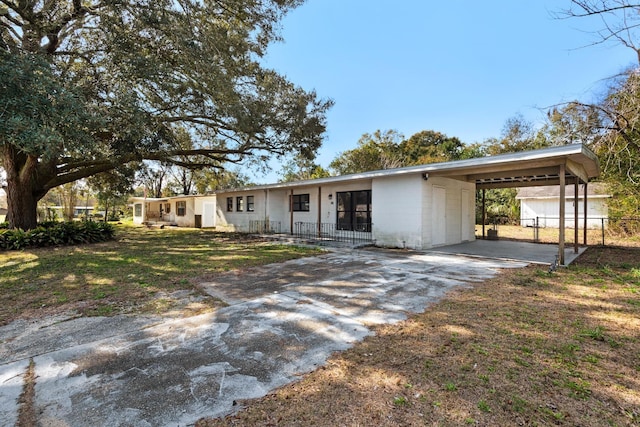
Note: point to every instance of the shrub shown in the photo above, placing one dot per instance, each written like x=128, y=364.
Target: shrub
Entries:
x=56, y=233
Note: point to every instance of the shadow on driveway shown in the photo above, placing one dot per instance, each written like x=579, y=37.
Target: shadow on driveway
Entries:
x=283, y=320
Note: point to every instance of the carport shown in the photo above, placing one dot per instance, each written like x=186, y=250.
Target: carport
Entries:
x=567, y=165
x=508, y=250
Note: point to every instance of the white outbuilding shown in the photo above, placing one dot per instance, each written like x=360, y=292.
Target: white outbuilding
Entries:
x=539, y=206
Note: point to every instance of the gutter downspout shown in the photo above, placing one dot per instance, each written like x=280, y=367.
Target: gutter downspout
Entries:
x=267, y=226
x=291, y=212
x=319, y=211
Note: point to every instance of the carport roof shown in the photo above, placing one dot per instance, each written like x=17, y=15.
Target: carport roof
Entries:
x=527, y=168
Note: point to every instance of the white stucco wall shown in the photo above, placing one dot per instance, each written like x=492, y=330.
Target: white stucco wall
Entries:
x=397, y=211
x=188, y=219
x=239, y=221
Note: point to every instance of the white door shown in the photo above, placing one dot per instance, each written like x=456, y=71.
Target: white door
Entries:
x=208, y=214
x=438, y=216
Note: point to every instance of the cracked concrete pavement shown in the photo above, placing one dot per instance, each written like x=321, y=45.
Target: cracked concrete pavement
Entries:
x=283, y=320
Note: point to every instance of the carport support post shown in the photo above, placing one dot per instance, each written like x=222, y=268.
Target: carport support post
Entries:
x=562, y=214
x=576, y=222
x=584, y=228
x=484, y=212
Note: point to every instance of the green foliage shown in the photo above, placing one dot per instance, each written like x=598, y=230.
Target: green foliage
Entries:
x=298, y=169
x=429, y=146
x=41, y=113
x=500, y=205
x=388, y=149
x=56, y=233
x=380, y=150
x=90, y=86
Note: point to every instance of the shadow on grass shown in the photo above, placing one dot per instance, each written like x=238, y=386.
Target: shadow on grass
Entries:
x=125, y=274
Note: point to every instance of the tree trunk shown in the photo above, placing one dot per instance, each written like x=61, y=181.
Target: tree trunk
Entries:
x=22, y=194
x=69, y=200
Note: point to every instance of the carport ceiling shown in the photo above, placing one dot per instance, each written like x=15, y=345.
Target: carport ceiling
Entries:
x=541, y=167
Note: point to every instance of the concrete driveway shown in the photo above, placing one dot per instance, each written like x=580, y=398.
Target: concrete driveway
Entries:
x=283, y=320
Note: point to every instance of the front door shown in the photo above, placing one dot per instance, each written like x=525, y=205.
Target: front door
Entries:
x=208, y=214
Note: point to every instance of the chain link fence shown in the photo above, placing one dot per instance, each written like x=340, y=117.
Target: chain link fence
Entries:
x=599, y=231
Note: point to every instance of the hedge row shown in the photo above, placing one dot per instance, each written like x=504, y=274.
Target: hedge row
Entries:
x=56, y=233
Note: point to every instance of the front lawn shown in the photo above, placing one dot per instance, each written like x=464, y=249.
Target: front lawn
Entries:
x=143, y=270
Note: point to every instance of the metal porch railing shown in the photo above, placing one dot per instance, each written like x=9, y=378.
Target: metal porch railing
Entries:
x=330, y=232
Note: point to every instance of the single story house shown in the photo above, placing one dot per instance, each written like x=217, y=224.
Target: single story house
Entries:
x=539, y=205
x=417, y=207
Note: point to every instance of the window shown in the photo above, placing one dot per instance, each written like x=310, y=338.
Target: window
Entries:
x=138, y=209
x=300, y=202
x=250, y=206
x=229, y=204
x=239, y=204
x=181, y=208
x=167, y=207
x=354, y=210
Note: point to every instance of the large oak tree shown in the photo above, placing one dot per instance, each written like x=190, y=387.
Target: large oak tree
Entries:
x=88, y=85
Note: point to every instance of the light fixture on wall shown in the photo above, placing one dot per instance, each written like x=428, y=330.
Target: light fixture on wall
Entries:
x=330, y=196
x=425, y=176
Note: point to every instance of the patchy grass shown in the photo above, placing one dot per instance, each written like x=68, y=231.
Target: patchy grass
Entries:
x=144, y=270
x=524, y=348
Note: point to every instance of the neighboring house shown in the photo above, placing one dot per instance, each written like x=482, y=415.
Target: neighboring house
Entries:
x=182, y=211
x=3, y=214
x=415, y=207
x=58, y=211
x=541, y=204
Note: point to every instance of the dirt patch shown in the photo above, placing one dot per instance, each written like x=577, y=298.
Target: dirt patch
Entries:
x=27, y=413
x=524, y=348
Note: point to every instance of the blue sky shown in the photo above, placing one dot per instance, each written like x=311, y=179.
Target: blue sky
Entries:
x=459, y=67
